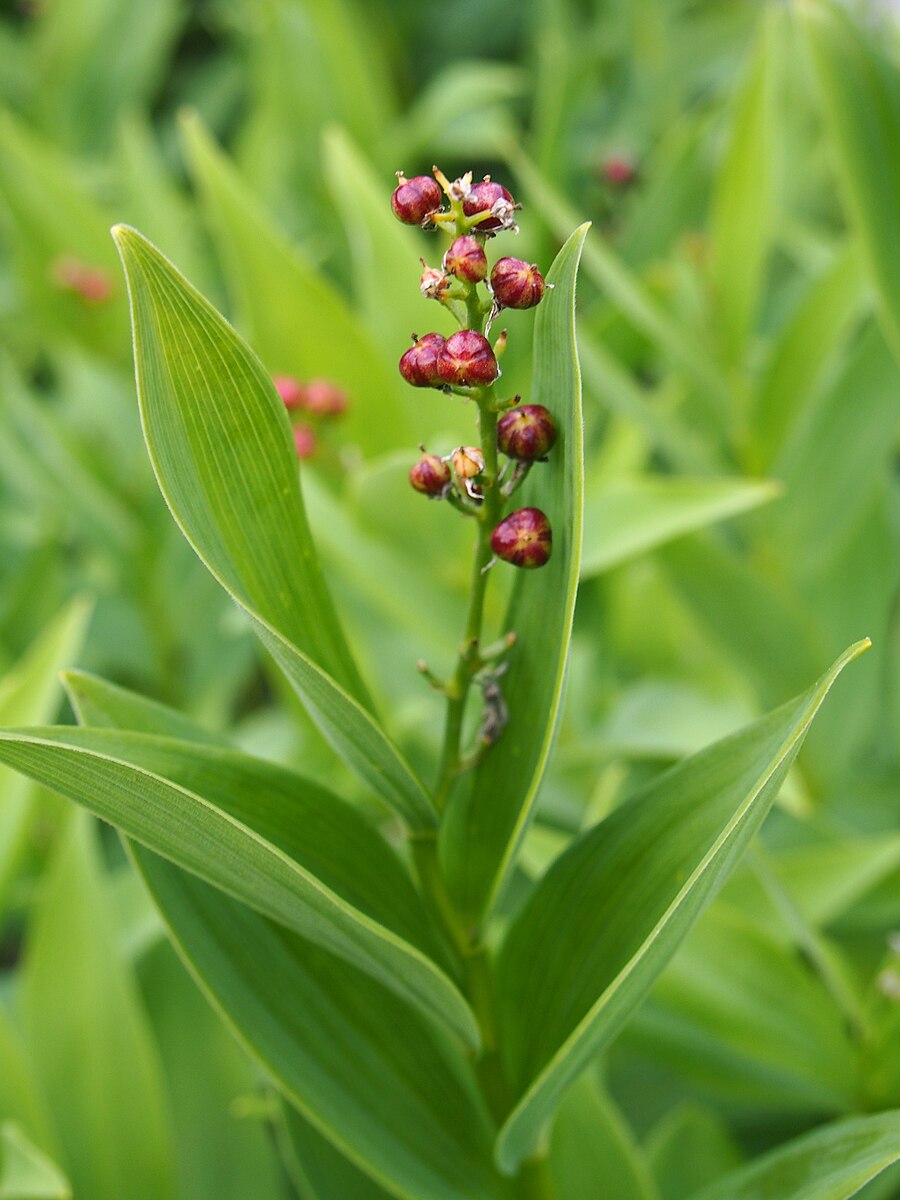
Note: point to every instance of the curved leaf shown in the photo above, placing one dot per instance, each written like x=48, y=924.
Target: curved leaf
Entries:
x=394, y=1097
x=486, y=823
x=26, y=1173
x=831, y=1163
x=609, y=914
x=220, y=445
x=286, y=847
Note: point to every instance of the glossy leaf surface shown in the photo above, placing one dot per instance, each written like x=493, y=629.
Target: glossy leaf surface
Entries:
x=609, y=914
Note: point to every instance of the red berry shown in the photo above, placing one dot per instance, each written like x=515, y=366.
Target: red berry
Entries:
x=414, y=199
x=419, y=365
x=526, y=433
x=467, y=360
x=466, y=259
x=488, y=196
x=516, y=284
x=524, y=538
x=305, y=442
x=618, y=171
x=430, y=475
x=291, y=391
x=324, y=398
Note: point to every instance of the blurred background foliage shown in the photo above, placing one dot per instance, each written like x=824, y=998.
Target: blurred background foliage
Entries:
x=739, y=330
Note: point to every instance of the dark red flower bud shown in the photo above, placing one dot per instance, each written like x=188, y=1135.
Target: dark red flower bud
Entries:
x=467, y=360
x=466, y=259
x=305, y=441
x=488, y=196
x=524, y=538
x=291, y=391
x=414, y=199
x=618, y=171
x=468, y=461
x=516, y=284
x=324, y=398
x=430, y=475
x=526, y=433
x=419, y=365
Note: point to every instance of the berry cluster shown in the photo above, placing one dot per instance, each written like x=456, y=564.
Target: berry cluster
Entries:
x=307, y=404
x=467, y=364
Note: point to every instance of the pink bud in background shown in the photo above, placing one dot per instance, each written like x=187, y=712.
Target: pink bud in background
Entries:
x=322, y=398
x=291, y=391
x=305, y=441
x=90, y=283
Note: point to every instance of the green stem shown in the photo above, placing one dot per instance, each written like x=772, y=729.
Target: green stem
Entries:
x=536, y=1180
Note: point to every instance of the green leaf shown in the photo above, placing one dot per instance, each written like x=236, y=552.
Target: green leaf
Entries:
x=286, y=847
x=220, y=444
x=803, y=352
x=831, y=1163
x=80, y=1007
x=366, y=1070
x=25, y=1172
x=486, y=823
x=30, y=693
x=293, y=317
x=221, y=1153
x=626, y=290
x=744, y=1020
x=105, y=705
x=609, y=914
x=319, y=1170
x=858, y=86
x=688, y=1149
x=743, y=200
x=630, y=516
x=591, y=1141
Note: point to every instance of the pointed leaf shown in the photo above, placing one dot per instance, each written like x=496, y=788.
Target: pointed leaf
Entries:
x=602, y=923
x=271, y=838
x=80, y=1006
x=858, y=86
x=831, y=1163
x=220, y=444
x=630, y=516
x=384, y=1086
x=25, y=1172
x=486, y=823
x=318, y=1168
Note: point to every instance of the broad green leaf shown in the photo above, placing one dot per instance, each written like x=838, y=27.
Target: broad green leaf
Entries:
x=858, y=87
x=384, y=1086
x=30, y=693
x=278, y=842
x=220, y=444
x=19, y=1098
x=318, y=1169
x=625, y=289
x=26, y=1173
x=292, y=316
x=220, y=1154
x=487, y=821
x=831, y=1163
x=592, y=1147
x=689, y=1148
x=584, y=956
x=804, y=351
x=87, y=1035
x=745, y=1021
x=102, y=704
x=743, y=200
x=627, y=517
